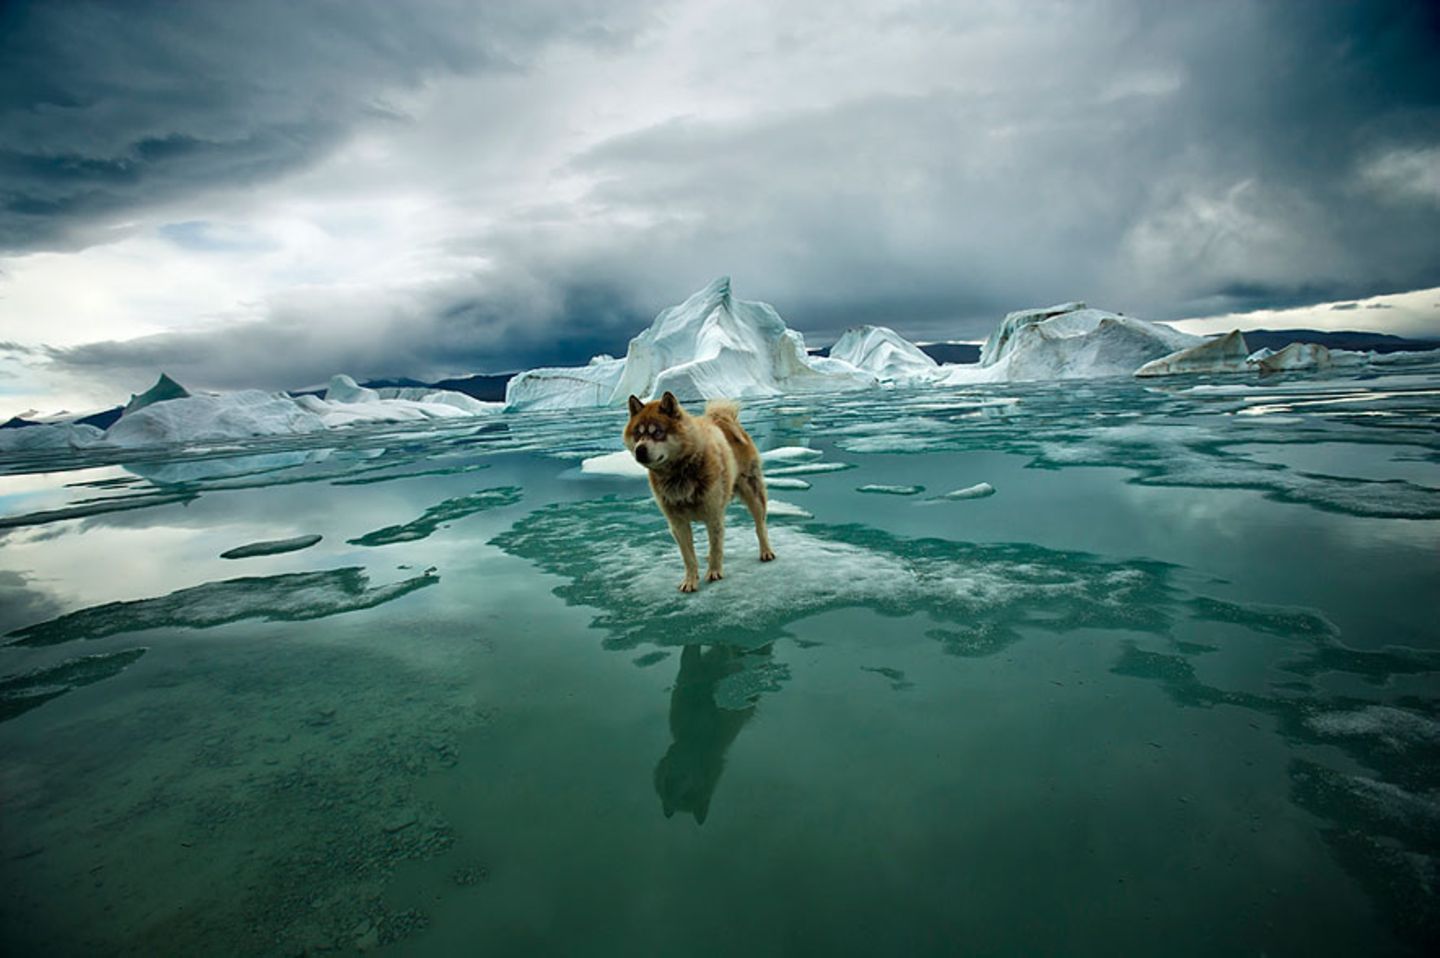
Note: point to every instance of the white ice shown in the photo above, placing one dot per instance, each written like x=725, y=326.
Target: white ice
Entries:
x=1068, y=341
x=885, y=353
x=621, y=464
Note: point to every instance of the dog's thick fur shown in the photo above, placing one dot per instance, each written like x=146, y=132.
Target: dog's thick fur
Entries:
x=697, y=464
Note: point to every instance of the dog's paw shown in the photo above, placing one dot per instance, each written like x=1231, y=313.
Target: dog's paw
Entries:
x=714, y=575
x=766, y=555
x=690, y=584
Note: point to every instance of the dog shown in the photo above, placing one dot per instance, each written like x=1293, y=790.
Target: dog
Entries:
x=697, y=464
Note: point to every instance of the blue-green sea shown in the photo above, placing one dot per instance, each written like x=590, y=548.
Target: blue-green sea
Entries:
x=1170, y=689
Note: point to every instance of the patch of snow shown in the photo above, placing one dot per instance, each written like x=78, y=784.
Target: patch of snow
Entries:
x=785, y=482
x=805, y=468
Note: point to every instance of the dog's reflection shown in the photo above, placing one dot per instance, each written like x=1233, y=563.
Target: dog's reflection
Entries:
x=703, y=731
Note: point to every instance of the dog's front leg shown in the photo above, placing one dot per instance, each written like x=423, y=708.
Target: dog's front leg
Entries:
x=685, y=539
x=715, y=560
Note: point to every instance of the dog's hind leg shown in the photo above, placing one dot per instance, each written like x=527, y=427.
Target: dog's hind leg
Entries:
x=685, y=539
x=715, y=560
x=751, y=490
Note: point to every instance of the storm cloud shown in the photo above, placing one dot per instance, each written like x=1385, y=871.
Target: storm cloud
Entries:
x=435, y=189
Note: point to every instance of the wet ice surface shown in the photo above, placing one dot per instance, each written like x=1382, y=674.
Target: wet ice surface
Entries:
x=1171, y=689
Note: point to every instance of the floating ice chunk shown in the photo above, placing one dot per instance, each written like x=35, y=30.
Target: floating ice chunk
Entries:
x=1223, y=354
x=890, y=490
x=344, y=389
x=1069, y=341
x=785, y=482
x=885, y=353
x=238, y=415
x=57, y=436
x=564, y=387
x=1296, y=356
x=779, y=508
x=978, y=491
x=806, y=468
x=620, y=463
x=791, y=454
x=271, y=547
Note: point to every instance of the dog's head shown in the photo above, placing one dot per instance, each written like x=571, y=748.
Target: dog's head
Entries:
x=656, y=431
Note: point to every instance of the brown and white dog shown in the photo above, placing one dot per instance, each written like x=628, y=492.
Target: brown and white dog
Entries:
x=697, y=464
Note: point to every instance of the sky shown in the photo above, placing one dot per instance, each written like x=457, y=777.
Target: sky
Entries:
x=262, y=194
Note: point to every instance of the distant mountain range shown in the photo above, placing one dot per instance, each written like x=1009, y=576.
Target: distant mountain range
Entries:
x=1277, y=339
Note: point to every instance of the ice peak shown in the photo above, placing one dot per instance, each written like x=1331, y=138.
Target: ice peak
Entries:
x=164, y=388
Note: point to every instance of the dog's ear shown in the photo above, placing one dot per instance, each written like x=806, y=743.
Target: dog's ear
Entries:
x=669, y=405
x=635, y=405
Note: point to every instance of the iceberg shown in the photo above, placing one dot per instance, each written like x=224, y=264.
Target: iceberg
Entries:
x=1222, y=354
x=1068, y=341
x=33, y=437
x=565, y=387
x=343, y=389
x=207, y=418
x=1297, y=356
x=885, y=353
x=710, y=346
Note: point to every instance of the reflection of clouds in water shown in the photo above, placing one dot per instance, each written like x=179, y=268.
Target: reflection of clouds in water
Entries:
x=294, y=597
x=435, y=516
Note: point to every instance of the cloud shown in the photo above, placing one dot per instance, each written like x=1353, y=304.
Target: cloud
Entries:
x=273, y=194
x=110, y=110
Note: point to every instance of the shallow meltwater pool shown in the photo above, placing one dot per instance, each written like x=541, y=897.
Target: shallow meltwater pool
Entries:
x=1087, y=669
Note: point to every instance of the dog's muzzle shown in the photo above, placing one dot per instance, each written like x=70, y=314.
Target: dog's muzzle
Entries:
x=642, y=455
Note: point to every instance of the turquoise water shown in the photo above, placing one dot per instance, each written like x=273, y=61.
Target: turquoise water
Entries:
x=1171, y=689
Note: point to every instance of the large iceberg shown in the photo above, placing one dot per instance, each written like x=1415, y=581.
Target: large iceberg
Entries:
x=885, y=353
x=712, y=345
x=206, y=418
x=1069, y=341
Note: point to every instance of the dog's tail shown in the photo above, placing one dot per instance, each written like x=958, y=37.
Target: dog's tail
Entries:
x=723, y=409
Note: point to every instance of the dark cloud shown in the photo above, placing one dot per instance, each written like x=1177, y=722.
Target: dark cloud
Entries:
x=1161, y=159
x=108, y=108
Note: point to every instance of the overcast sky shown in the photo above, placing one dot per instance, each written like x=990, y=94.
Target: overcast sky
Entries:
x=265, y=193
